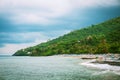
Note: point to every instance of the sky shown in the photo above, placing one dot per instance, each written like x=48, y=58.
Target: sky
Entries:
x=25, y=23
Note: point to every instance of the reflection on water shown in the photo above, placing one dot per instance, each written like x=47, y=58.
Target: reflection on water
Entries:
x=50, y=68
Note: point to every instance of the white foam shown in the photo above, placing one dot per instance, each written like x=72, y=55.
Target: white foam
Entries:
x=115, y=69
x=101, y=72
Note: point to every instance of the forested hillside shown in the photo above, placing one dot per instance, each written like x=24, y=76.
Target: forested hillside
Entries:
x=99, y=38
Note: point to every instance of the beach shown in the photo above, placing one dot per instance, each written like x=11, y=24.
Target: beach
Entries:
x=101, y=61
x=57, y=67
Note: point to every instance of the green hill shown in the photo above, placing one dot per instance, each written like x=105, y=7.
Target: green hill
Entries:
x=100, y=38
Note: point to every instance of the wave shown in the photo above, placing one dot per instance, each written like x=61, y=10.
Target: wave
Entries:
x=105, y=67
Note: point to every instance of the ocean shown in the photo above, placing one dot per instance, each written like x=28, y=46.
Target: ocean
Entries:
x=51, y=68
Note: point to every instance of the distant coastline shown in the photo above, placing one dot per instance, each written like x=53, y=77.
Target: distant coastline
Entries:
x=3, y=55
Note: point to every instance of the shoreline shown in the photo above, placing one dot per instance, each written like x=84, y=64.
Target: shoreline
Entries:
x=102, y=61
x=98, y=61
x=108, y=67
x=114, y=63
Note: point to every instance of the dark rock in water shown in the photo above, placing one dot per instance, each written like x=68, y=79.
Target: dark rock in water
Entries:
x=112, y=63
x=108, y=62
x=118, y=58
x=88, y=58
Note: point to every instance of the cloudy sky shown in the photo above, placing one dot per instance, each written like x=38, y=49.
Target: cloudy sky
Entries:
x=26, y=23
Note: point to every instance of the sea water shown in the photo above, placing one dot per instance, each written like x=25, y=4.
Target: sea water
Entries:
x=51, y=68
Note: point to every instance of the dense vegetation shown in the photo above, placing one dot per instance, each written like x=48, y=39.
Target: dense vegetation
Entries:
x=100, y=38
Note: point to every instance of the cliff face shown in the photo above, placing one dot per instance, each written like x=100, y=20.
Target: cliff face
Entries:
x=100, y=38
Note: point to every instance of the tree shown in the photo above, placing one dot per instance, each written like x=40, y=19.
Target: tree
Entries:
x=103, y=46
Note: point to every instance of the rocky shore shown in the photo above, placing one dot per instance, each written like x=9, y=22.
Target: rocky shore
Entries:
x=111, y=59
x=110, y=62
x=115, y=63
x=106, y=62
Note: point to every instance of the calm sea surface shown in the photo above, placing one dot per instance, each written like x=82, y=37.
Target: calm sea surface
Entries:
x=50, y=68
